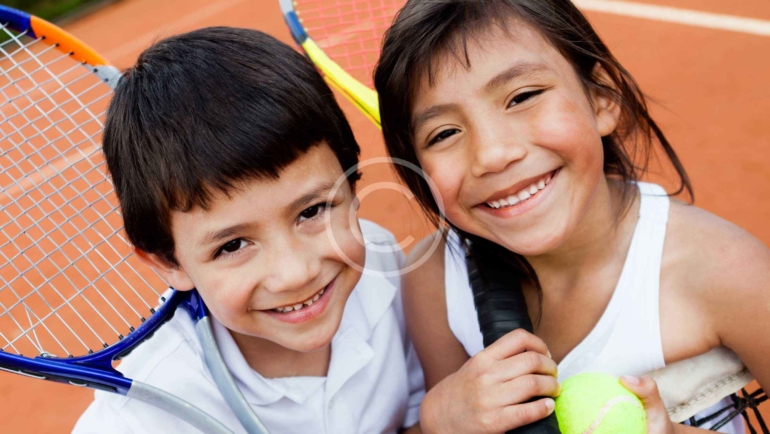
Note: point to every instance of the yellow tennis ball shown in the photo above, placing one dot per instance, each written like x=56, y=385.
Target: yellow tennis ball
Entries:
x=599, y=404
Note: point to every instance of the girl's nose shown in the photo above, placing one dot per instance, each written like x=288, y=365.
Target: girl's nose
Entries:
x=492, y=150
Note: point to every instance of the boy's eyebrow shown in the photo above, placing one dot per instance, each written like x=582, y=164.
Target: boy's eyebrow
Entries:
x=222, y=234
x=515, y=71
x=308, y=198
x=301, y=202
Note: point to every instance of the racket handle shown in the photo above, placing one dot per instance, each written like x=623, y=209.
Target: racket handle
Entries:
x=501, y=308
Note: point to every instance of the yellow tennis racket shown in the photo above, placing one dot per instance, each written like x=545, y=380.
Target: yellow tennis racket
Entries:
x=343, y=38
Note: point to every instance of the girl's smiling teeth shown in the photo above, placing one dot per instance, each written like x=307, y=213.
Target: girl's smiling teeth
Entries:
x=523, y=194
x=302, y=305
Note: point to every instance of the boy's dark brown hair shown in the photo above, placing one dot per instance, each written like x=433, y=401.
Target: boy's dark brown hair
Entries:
x=202, y=111
x=426, y=30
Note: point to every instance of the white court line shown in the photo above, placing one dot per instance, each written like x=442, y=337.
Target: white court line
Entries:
x=680, y=16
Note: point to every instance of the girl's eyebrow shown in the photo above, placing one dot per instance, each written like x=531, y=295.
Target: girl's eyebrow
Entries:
x=519, y=70
x=431, y=112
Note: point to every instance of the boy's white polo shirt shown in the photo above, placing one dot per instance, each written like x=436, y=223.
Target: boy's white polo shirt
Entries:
x=374, y=383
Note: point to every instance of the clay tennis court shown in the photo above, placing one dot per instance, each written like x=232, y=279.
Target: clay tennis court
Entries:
x=709, y=84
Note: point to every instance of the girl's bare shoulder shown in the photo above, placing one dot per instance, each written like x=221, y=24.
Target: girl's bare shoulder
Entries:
x=426, y=263
x=712, y=259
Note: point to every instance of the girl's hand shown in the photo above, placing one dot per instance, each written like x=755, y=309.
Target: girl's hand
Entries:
x=658, y=421
x=489, y=393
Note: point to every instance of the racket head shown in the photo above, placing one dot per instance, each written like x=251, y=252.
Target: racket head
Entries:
x=343, y=39
x=73, y=297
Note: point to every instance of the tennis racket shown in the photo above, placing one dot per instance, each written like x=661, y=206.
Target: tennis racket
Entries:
x=73, y=299
x=343, y=39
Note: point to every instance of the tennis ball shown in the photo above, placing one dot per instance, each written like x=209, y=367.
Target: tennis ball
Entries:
x=599, y=404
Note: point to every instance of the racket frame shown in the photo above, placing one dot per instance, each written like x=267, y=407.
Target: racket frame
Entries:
x=96, y=370
x=359, y=94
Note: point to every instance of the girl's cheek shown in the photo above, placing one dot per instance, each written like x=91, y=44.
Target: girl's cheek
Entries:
x=446, y=173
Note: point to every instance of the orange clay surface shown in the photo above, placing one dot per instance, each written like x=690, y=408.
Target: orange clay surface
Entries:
x=711, y=93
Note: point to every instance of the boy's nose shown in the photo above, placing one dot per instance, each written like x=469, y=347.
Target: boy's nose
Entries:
x=291, y=268
x=493, y=150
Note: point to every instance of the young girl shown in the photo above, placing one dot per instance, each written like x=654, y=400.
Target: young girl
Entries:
x=535, y=138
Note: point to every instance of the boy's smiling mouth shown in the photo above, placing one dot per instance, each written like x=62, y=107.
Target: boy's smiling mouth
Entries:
x=305, y=310
x=303, y=304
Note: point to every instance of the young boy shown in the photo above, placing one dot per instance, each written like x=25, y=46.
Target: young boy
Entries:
x=224, y=146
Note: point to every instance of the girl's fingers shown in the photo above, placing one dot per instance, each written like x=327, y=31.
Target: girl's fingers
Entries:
x=658, y=421
x=526, y=363
x=523, y=388
x=515, y=342
x=516, y=416
x=646, y=389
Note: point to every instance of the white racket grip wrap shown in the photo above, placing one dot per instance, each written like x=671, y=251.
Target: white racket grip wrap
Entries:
x=177, y=407
x=225, y=381
x=692, y=385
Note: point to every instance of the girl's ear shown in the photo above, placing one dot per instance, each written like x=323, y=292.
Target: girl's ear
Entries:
x=606, y=109
x=173, y=274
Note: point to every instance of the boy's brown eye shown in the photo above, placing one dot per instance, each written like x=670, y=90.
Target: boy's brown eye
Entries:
x=311, y=212
x=232, y=246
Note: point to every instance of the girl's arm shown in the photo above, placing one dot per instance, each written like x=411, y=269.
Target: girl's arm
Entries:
x=726, y=284
x=484, y=393
x=722, y=281
x=440, y=353
x=739, y=301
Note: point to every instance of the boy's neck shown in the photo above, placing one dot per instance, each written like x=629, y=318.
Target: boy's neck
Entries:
x=271, y=360
x=602, y=236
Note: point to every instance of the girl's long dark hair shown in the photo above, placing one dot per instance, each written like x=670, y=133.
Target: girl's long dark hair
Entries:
x=426, y=30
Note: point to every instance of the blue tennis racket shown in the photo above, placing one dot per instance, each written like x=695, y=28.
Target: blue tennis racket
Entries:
x=73, y=299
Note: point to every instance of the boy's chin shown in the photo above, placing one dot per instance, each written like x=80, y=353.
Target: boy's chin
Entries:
x=309, y=342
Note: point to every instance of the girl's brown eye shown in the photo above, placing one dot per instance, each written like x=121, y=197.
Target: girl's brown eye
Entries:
x=520, y=98
x=443, y=135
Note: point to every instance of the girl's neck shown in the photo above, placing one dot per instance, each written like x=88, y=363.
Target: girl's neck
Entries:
x=604, y=231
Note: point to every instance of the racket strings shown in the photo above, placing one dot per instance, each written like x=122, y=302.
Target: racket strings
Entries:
x=349, y=31
x=69, y=283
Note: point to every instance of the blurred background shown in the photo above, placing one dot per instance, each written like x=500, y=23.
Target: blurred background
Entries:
x=708, y=90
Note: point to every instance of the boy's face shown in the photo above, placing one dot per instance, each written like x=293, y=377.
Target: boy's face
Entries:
x=517, y=125
x=263, y=260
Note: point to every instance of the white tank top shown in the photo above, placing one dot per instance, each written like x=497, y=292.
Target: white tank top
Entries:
x=627, y=338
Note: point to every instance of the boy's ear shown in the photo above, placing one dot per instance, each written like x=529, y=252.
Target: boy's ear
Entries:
x=173, y=274
x=606, y=109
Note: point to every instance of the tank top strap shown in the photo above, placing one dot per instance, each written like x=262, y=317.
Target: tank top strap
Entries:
x=461, y=309
x=654, y=202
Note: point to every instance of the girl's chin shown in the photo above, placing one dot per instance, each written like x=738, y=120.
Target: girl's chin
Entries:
x=532, y=245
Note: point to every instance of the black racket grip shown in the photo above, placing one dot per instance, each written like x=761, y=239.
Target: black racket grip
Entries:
x=501, y=308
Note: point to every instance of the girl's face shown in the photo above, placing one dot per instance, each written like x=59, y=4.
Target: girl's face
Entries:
x=513, y=142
